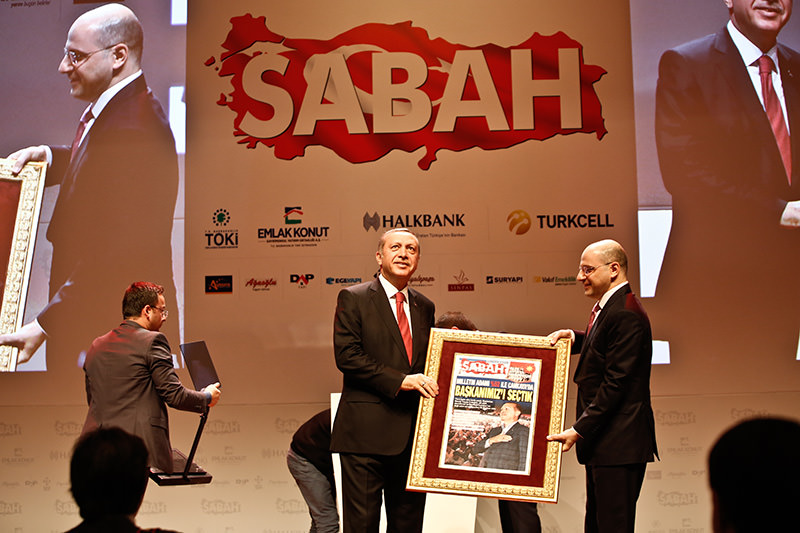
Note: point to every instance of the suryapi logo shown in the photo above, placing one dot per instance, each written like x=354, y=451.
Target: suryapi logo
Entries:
x=380, y=87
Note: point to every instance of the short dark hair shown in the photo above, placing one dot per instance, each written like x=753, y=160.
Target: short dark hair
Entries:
x=138, y=296
x=108, y=473
x=456, y=319
x=759, y=455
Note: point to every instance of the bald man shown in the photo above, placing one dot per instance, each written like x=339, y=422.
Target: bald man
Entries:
x=615, y=430
x=112, y=220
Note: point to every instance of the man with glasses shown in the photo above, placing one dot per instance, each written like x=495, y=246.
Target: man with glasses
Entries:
x=130, y=378
x=614, y=434
x=118, y=187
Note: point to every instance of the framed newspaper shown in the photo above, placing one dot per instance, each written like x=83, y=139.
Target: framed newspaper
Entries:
x=500, y=395
x=20, y=201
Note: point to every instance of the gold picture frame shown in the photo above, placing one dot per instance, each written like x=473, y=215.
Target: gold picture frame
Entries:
x=478, y=373
x=20, y=203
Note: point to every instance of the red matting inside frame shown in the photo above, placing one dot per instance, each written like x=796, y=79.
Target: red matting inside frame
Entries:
x=541, y=424
x=10, y=191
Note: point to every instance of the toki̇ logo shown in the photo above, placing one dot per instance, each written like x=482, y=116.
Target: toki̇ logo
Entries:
x=222, y=217
x=222, y=236
x=382, y=87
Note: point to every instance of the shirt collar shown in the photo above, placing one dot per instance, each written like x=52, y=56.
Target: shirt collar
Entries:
x=390, y=289
x=111, y=92
x=747, y=50
x=609, y=293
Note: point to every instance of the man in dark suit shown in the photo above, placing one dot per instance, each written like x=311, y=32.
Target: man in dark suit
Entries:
x=380, y=339
x=615, y=430
x=506, y=446
x=732, y=188
x=130, y=379
x=118, y=187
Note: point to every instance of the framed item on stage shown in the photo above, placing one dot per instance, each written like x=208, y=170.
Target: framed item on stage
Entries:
x=20, y=201
x=500, y=395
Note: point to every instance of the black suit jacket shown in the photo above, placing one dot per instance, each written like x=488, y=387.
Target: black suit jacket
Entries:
x=373, y=417
x=130, y=381
x=511, y=455
x=112, y=221
x=615, y=417
x=721, y=164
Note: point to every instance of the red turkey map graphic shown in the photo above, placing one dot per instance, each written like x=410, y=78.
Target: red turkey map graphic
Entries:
x=383, y=87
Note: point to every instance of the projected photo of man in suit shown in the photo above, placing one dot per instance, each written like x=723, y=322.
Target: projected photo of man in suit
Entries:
x=726, y=126
x=112, y=219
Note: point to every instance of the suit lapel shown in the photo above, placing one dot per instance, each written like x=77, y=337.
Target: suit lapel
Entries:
x=730, y=68
x=416, y=325
x=617, y=299
x=790, y=79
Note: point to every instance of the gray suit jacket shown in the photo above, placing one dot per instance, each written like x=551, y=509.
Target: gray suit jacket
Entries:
x=130, y=381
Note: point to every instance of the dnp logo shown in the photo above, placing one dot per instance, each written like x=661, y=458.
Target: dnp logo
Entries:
x=219, y=284
x=379, y=87
x=302, y=280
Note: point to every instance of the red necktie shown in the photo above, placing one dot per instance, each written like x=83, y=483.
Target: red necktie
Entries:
x=402, y=321
x=775, y=113
x=595, y=310
x=85, y=118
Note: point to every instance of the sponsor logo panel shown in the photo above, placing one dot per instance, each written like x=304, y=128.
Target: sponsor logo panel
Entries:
x=221, y=236
x=461, y=283
x=219, y=284
x=293, y=233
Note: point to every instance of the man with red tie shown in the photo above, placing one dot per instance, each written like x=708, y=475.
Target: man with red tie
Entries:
x=380, y=339
x=728, y=139
x=614, y=434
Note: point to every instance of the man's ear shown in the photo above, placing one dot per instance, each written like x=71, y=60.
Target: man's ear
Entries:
x=120, y=55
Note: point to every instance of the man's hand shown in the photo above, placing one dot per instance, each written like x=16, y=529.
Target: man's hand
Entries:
x=25, y=155
x=426, y=386
x=502, y=437
x=215, y=393
x=26, y=339
x=566, y=438
x=561, y=334
x=790, y=217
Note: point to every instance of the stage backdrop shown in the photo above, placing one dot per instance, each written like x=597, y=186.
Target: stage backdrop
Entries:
x=502, y=136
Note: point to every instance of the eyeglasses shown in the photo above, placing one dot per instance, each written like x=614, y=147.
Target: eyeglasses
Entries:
x=587, y=270
x=76, y=58
x=162, y=310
